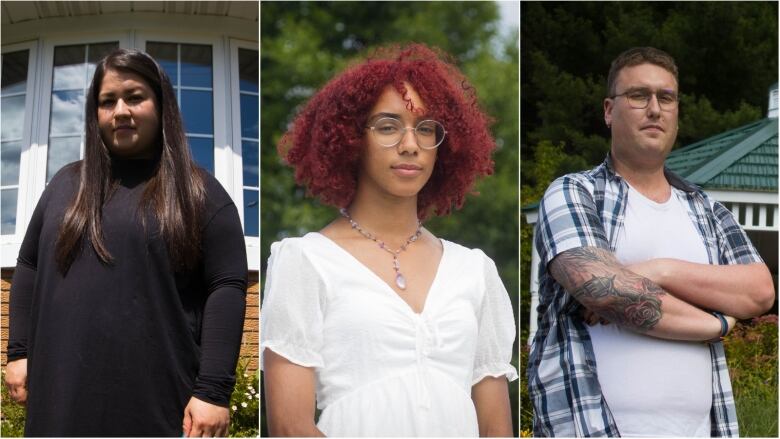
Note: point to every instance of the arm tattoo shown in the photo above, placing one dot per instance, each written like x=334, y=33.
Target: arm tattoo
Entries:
x=597, y=280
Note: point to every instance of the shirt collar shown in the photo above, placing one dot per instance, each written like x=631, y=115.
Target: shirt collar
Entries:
x=673, y=179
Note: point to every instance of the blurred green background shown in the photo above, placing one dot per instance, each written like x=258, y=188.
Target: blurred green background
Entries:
x=304, y=44
x=726, y=53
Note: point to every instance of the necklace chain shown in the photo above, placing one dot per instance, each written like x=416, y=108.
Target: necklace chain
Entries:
x=400, y=280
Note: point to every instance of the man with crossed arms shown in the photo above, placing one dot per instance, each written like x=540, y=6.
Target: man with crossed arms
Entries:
x=632, y=244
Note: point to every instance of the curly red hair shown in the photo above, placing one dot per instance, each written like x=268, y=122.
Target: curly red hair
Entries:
x=325, y=142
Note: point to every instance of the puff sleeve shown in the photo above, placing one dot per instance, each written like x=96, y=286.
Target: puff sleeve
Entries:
x=292, y=309
x=497, y=331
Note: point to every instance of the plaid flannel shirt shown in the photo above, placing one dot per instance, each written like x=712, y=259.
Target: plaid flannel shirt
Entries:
x=587, y=209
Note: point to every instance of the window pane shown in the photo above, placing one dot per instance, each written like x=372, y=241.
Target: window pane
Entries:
x=203, y=152
x=8, y=212
x=62, y=151
x=15, y=72
x=247, y=70
x=11, y=153
x=195, y=65
x=251, y=213
x=249, y=117
x=67, y=110
x=13, y=117
x=96, y=52
x=251, y=158
x=165, y=54
x=69, y=68
x=197, y=112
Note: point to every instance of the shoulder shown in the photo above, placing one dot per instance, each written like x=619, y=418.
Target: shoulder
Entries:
x=576, y=181
x=64, y=184
x=67, y=175
x=295, y=252
x=216, y=195
x=472, y=257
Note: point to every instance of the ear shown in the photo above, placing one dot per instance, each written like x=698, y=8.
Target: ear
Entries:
x=608, y=106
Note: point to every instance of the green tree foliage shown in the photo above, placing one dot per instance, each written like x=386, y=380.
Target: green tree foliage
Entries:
x=304, y=44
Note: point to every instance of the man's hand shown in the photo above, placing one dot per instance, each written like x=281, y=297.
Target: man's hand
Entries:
x=202, y=419
x=16, y=380
x=591, y=318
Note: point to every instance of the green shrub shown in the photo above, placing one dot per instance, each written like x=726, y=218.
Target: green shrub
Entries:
x=244, y=407
x=12, y=415
x=751, y=352
x=245, y=404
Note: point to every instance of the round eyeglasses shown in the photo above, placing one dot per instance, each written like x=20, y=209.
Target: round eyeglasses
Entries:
x=389, y=132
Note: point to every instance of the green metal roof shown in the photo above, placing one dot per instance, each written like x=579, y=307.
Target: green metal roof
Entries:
x=743, y=159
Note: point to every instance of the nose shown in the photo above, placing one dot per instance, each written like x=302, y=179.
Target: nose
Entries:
x=408, y=144
x=121, y=109
x=653, y=107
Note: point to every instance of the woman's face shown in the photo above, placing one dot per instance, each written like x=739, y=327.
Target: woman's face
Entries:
x=401, y=170
x=128, y=116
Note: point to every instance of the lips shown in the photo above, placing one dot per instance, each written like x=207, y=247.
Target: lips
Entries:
x=407, y=166
x=406, y=169
x=653, y=127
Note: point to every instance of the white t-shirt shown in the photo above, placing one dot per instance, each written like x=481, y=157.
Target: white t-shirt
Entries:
x=380, y=368
x=655, y=387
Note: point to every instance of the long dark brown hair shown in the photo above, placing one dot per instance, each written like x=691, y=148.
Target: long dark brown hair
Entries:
x=175, y=193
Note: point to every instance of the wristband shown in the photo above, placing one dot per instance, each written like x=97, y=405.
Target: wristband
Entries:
x=724, y=325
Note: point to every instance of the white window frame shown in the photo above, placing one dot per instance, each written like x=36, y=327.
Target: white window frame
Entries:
x=25, y=199
x=235, y=155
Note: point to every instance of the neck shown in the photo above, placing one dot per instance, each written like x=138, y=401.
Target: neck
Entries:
x=648, y=179
x=390, y=219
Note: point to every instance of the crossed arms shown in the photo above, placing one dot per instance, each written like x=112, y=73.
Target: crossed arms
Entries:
x=663, y=298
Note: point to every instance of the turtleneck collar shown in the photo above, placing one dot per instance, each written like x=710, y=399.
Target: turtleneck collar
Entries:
x=131, y=171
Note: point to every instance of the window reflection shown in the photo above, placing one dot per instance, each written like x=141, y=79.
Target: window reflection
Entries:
x=195, y=65
x=67, y=110
x=15, y=72
x=196, y=108
x=62, y=150
x=8, y=211
x=13, y=117
x=12, y=152
x=250, y=153
x=12, y=103
x=202, y=151
x=250, y=133
x=251, y=212
x=189, y=66
x=74, y=66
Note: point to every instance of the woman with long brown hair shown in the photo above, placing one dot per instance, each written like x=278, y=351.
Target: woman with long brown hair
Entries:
x=128, y=298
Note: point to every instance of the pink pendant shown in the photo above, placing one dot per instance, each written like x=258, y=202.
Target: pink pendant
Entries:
x=400, y=280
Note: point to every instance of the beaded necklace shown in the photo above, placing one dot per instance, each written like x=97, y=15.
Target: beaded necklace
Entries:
x=400, y=280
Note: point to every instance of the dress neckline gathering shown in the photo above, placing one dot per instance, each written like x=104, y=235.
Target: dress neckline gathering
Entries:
x=385, y=285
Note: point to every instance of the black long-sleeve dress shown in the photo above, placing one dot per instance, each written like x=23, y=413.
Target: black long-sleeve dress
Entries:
x=118, y=350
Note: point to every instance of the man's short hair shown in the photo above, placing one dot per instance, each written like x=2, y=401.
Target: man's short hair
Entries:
x=636, y=56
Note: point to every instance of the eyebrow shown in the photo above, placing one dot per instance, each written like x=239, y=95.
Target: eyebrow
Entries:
x=666, y=90
x=394, y=116
x=125, y=92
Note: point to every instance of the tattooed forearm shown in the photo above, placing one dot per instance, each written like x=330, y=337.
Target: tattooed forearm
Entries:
x=597, y=280
x=638, y=308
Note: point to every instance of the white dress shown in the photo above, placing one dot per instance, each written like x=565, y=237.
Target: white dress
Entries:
x=382, y=369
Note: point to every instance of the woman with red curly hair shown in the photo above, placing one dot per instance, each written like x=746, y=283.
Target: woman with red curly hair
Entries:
x=389, y=329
